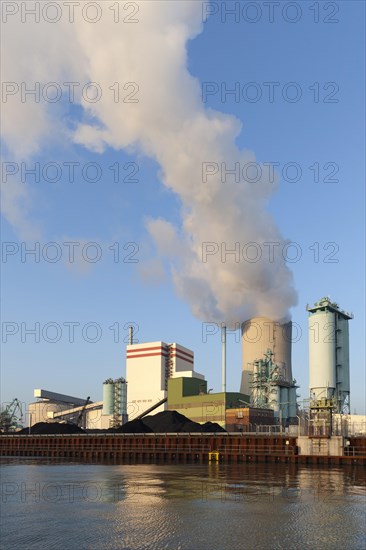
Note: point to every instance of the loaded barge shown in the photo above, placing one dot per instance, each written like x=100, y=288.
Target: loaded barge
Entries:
x=188, y=447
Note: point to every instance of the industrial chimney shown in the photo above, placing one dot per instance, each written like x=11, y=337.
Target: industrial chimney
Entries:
x=223, y=344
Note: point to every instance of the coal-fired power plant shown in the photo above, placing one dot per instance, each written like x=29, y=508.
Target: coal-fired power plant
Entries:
x=259, y=335
x=162, y=377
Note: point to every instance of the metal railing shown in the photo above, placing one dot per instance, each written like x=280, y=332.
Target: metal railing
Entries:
x=354, y=451
x=103, y=448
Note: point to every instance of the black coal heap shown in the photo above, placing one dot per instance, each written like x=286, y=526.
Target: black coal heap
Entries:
x=167, y=422
x=49, y=428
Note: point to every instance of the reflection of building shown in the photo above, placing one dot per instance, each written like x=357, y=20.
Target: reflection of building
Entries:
x=329, y=354
x=149, y=366
x=258, y=335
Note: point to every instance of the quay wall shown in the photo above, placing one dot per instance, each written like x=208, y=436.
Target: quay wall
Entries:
x=184, y=447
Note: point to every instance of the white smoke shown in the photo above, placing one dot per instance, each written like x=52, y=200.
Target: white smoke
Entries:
x=170, y=124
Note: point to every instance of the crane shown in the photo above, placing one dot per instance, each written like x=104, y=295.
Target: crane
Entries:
x=8, y=419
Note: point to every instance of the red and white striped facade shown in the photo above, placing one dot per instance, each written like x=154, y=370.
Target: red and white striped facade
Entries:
x=148, y=366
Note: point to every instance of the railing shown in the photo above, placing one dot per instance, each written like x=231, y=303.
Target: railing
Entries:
x=354, y=451
x=103, y=448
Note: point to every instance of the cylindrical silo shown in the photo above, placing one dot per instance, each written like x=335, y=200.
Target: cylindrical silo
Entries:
x=322, y=354
x=329, y=353
x=259, y=335
x=108, y=397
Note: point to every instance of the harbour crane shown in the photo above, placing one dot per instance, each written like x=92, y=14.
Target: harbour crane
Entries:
x=8, y=419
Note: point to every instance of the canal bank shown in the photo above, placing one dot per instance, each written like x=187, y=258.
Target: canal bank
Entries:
x=189, y=447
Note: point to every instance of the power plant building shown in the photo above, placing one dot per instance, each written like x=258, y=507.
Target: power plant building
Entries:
x=161, y=376
x=148, y=368
x=189, y=397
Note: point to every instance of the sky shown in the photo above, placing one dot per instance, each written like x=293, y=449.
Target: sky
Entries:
x=157, y=136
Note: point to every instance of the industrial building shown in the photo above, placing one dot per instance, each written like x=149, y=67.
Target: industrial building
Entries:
x=148, y=368
x=110, y=412
x=54, y=405
x=329, y=376
x=189, y=396
x=248, y=419
x=270, y=389
x=161, y=376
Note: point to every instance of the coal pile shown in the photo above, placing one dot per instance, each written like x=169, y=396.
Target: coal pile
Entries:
x=49, y=428
x=212, y=427
x=133, y=427
x=173, y=421
x=167, y=422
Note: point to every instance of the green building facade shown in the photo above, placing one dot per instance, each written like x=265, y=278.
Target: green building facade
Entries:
x=189, y=396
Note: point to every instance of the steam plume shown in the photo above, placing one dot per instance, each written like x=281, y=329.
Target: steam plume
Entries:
x=170, y=124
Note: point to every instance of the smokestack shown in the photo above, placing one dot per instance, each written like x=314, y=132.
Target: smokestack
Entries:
x=223, y=342
x=130, y=335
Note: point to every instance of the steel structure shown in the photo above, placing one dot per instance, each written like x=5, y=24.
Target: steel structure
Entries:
x=270, y=389
x=9, y=421
x=115, y=400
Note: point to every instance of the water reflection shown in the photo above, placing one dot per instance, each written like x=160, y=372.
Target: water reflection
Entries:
x=193, y=507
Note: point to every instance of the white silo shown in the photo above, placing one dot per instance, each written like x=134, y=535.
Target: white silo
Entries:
x=108, y=396
x=115, y=397
x=259, y=335
x=329, y=353
x=322, y=359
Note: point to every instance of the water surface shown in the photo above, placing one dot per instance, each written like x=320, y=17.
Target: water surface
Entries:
x=55, y=504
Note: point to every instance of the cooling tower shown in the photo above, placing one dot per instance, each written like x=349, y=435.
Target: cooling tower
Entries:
x=258, y=335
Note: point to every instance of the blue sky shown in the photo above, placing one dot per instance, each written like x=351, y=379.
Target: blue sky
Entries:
x=324, y=130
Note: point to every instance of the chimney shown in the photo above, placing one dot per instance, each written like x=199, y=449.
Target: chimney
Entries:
x=223, y=342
